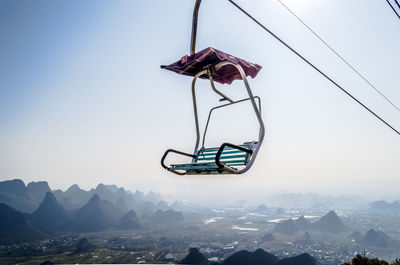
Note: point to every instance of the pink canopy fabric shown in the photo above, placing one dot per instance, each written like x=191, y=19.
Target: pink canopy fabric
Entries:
x=192, y=64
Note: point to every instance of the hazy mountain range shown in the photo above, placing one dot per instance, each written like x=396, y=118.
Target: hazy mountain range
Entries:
x=27, y=198
x=33, y=211
x=329, y=223
x=15, y=226
x=313, y=200
x=378, y=238
x=23, y=198
x=106, y=207
x=386, y=207
x=245, y=257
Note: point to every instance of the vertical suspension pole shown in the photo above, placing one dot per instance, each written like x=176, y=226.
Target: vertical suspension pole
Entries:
x=193, y=51
x=194, y=27
x=196, y=116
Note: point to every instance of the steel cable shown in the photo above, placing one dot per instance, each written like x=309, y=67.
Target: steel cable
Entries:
x=313, y=66
x=340, y=57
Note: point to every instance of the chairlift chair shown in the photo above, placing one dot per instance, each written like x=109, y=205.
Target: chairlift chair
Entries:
x=217, y=66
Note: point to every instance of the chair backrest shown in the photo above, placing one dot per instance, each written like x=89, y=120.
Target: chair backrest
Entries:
x=229, y=156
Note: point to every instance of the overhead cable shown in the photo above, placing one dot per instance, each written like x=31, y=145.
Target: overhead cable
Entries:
x=339, y=56
x=313, y=66
x=397, y=3
x=394, y=10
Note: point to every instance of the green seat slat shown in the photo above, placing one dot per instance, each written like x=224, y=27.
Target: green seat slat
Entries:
x=221, y=158
x=212, y=163
x=201, y=168
x=207, y=165
x=214, y=149
x=205, y=160
x=234, y=162
x=196, y=169
x=224, y=152
x=189, y=167
x=193, y=164
x=208, y=172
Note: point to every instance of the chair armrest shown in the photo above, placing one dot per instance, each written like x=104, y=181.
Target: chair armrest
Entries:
x=173, y=151
x=221, y=149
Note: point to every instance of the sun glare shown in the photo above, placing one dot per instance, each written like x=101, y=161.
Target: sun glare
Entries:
x=299, y=5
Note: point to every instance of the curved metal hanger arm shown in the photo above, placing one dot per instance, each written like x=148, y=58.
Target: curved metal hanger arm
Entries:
x=258, y=114
x=196, y=116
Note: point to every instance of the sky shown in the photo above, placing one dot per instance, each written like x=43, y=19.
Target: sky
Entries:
x=83, y=99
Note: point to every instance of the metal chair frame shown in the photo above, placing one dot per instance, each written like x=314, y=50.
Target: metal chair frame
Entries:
x=257, y=110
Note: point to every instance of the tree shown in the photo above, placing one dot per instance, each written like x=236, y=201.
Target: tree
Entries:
x=360, y=260
x=396, y=262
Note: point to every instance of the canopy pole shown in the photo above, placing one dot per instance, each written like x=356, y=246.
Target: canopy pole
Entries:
x=194, y=27
x=196, y=116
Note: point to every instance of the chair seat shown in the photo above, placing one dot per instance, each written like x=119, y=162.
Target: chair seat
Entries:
x=204, y=161
x=202, y=168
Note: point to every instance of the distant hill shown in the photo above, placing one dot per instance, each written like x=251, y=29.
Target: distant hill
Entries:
x=383, y=206
x=51, y=216
x=75, y=197
x=262, y=208
x=146, y=208
x=113, y=188
x=15, y=194
x=84, y=245
x=356, y=236
x=129, y=221
x=245, y=257
x=15, y=227
x=74, y=210
x=28, y=198
x=38, y=189
x=96, y=215
x=378, y=239
x=107, y=194
x=122, y=205
x=177, y=206
x=303, y=224
x=168, y=216
x=195, y=257
x=313, y=200
x=330, y=223
x=303, y=259
x=15, y=186
x=139, y=196
x=267, y=237
x=162, y=205
x=305, y=239
x=153, y=197
x=286, y=227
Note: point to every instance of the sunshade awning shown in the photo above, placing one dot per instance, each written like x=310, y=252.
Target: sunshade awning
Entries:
x=190, y=65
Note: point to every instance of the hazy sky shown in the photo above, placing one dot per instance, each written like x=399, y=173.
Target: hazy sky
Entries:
x=83, y=99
